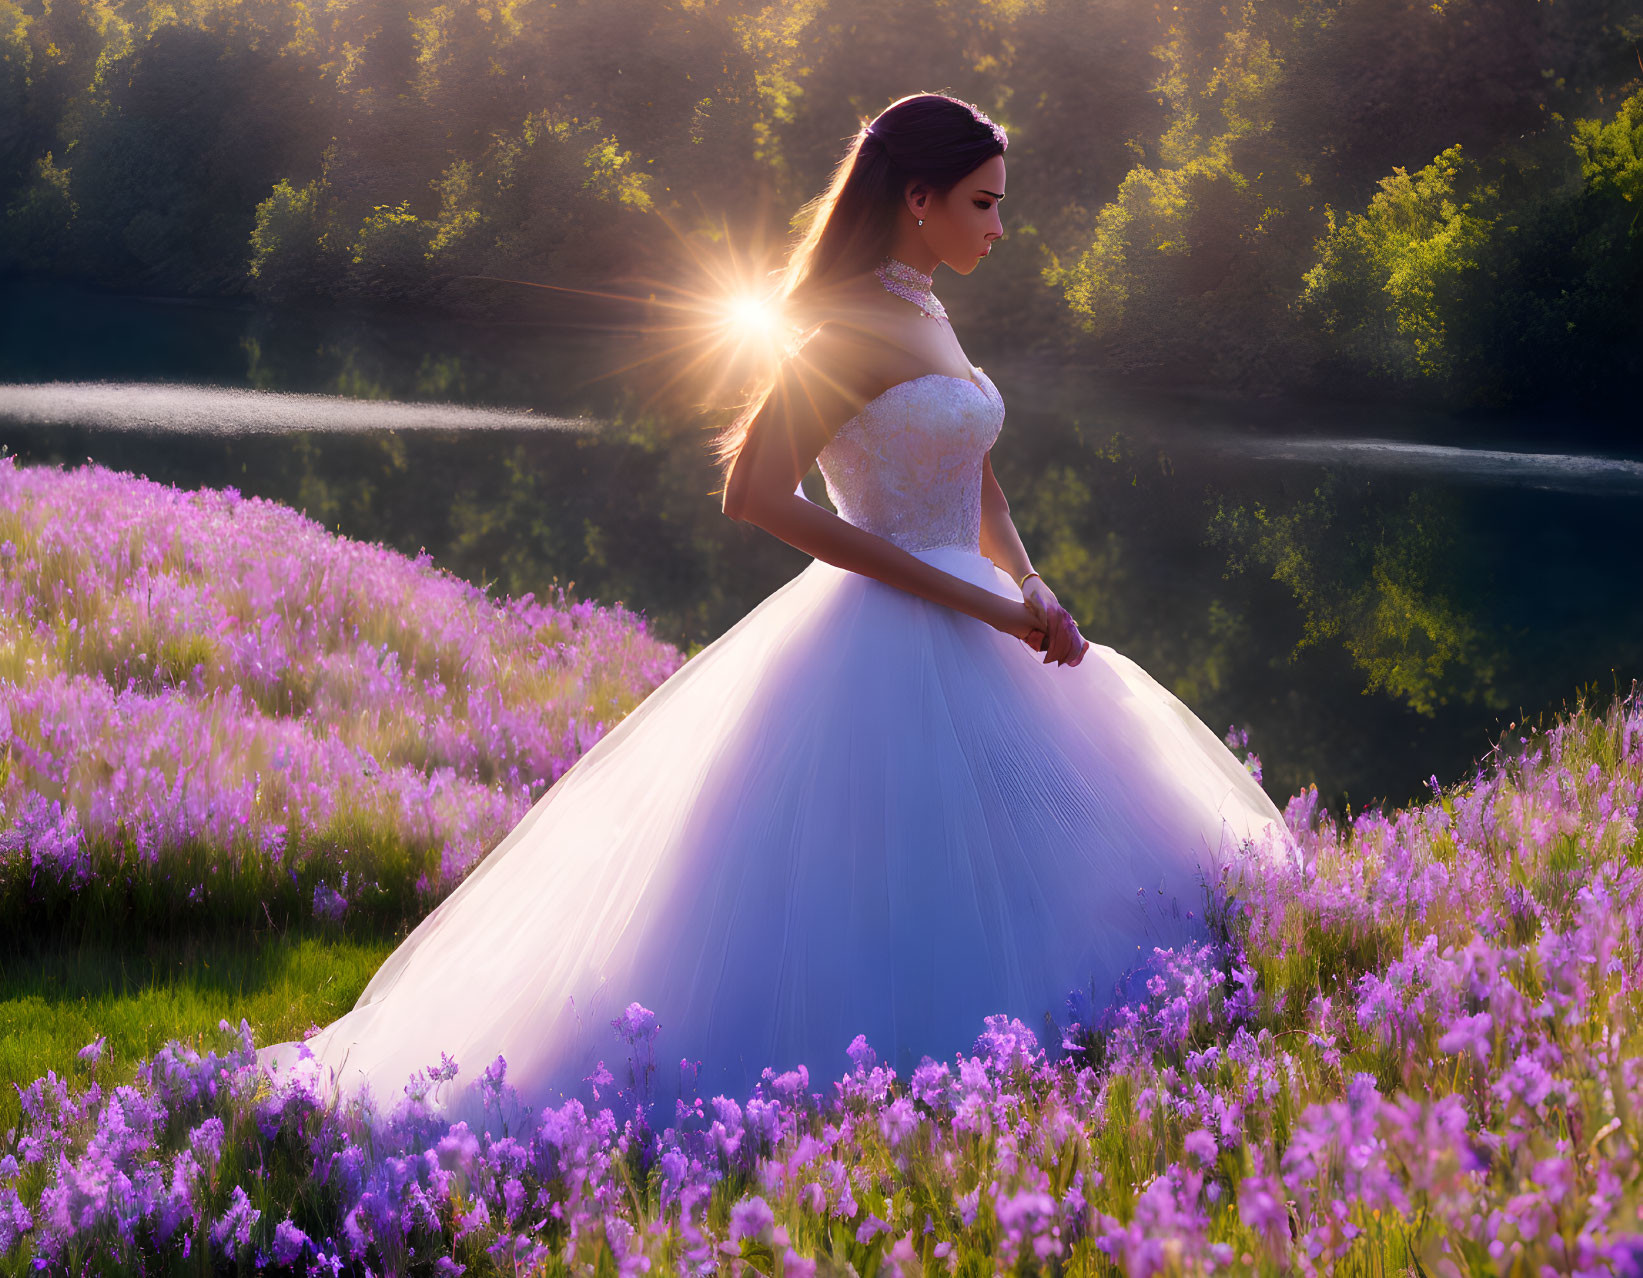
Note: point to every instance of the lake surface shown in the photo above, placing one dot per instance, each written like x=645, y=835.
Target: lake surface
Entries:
x=1374, y=593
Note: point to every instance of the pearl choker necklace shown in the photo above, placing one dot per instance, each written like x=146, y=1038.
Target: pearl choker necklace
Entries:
x=910, y=283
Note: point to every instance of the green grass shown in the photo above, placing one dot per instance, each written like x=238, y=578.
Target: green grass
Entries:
x=54, y=1002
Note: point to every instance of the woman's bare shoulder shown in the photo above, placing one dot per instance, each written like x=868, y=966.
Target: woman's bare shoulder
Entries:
x=834, y=365
x=851, y=332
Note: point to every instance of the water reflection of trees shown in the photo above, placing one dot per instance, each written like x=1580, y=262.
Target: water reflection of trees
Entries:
x=1377, y=575
x=624, y=514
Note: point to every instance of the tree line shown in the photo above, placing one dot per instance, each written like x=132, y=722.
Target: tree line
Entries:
x=1359, y=196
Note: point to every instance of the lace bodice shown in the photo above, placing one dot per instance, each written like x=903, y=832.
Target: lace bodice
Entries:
x=908, y=465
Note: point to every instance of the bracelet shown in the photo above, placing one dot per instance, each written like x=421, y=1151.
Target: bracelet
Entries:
x=1022, y=583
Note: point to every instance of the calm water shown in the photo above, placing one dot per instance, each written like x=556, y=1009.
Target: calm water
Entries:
x=1374, y=594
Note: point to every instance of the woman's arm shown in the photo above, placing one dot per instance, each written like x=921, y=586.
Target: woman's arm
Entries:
x=804, y=410
x=1001, y=543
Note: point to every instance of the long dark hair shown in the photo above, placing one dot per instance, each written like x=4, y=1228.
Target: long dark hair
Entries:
x=847, y=230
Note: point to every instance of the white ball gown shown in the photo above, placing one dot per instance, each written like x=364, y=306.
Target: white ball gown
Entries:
x=856, y=812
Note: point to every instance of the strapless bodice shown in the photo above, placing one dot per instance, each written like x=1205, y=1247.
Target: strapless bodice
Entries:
x=908, y=465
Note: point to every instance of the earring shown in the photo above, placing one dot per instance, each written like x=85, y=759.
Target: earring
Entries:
x=921, y=221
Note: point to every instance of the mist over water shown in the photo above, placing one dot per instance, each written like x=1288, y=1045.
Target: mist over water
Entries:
x=1559, y=472
x=176, y=409
x=182, y=409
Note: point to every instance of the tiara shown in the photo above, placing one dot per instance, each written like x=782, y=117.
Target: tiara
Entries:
x=998, y=133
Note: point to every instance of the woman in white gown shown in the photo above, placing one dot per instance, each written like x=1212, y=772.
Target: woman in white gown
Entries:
x=870, y=807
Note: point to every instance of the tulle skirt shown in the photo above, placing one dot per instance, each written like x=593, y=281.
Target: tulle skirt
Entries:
x=856, y=812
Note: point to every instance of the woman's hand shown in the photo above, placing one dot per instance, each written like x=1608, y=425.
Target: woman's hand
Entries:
x=1018, y=620
x=1061, y=642
x=1050, y=631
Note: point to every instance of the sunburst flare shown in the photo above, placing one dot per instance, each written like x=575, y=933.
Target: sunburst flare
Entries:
x=709, y=320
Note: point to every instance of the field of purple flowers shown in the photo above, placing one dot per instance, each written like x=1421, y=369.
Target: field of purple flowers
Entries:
x=1416, y=1052
x=213, y=711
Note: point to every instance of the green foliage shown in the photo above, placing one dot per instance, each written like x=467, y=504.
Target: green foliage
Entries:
x=1237, y=248
x=1611, y=155
x=461, y=218
x=1157, y=243
x=1391, y=282
x=290, y=244
x=772, y=39
x=37, y=223
x=611, y=175
x=533, y=201
x=1490, y=291
x=386, y=258
x=16, y=57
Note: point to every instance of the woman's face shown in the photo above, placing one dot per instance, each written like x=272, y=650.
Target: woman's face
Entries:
x=961, y=227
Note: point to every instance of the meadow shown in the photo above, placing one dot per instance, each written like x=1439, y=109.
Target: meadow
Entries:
x=1414, y=1051
x=241, y=755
